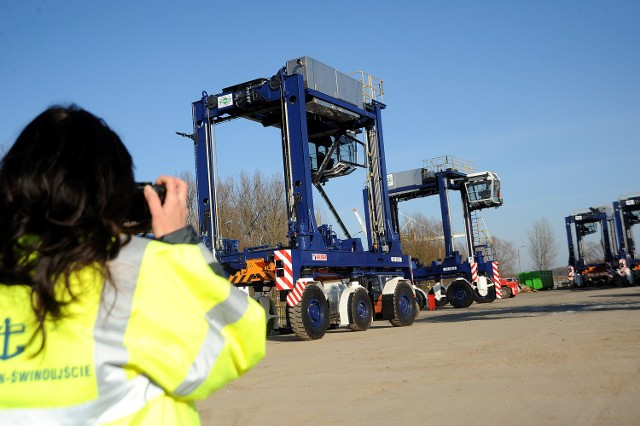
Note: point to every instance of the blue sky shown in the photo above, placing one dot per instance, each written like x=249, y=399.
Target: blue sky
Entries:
x=545, y=93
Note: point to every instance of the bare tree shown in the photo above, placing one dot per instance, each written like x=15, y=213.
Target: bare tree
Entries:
x=593, y=252
x=275, y=219
x=192, y=199
x=506, y=255
x=227, y=214
x=422, y=238
x=319, y=214
x=252, y=209
x=542, y=245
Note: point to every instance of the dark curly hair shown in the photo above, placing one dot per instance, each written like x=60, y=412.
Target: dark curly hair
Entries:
x=67, y=185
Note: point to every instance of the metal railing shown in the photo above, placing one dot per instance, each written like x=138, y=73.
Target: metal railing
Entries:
x=448, y=162
x=372, y=88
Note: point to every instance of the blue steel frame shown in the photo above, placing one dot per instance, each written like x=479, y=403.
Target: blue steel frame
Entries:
x=452, y=265
x=576, y=258
x=287, y=100
x=625, y=248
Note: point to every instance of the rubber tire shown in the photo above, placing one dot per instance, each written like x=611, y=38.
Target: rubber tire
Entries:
x=460, y=294
x=360, y=310
x=272, y=324
x=310, y=317
x=490, y=297
x=506, y=292
x=422, y=301
x=442, y=302
x=405, y=307
x=270, y=313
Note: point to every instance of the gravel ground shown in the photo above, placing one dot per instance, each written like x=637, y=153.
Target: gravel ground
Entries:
x=555, y=357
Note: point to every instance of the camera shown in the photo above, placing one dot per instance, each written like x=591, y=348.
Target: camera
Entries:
x=139, y=218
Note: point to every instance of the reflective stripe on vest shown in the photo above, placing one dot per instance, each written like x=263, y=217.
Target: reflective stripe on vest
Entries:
x=214, y=343
x=118, y=396
x=212, y=333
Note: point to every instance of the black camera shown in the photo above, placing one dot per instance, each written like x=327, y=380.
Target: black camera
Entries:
x=139, y=218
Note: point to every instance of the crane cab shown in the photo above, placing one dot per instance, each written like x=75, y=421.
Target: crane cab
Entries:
x=587, y=220
x=586, y=228
x=483, y=190
x=334, y=156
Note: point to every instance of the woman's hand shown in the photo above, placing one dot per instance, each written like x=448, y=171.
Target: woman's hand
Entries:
x=172, y=215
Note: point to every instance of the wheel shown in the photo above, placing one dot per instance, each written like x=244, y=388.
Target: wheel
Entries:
x=360, y=310
x=504, y=292
x=422, y=301
x=270, y=313
x=619, y=281
x=310, y=317
x=490, y=297
x=405, y=307
x=460, y=294
x=442, y=302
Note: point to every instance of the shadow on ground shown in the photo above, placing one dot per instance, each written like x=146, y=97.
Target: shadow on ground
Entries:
x=607, y=302
x=627, y=301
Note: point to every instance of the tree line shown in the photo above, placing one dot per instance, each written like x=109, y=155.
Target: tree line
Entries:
x=252, y=209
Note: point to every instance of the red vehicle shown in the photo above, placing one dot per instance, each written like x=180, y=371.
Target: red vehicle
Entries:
x=509, y=287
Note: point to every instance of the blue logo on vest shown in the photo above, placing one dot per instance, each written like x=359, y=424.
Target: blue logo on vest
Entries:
x=7, y=331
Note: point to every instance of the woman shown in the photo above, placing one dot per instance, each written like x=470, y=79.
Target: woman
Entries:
x=98, y=326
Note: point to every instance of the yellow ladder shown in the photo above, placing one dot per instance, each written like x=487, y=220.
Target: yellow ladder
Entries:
x=372, y=88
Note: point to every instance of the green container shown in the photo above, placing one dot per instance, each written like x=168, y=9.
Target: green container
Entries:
x=537, y=280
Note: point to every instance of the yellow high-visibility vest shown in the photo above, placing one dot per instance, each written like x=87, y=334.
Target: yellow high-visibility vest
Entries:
x=135, y=351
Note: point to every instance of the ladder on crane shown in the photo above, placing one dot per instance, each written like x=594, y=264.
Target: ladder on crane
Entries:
x=482, y=239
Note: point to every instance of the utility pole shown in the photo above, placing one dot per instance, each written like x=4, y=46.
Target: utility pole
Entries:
x=519, y=266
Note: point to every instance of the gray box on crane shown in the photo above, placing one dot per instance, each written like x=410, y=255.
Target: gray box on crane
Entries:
x=327, y=80
x=408, y=178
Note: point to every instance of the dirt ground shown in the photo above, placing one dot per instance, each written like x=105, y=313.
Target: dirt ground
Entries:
x=555, y=357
